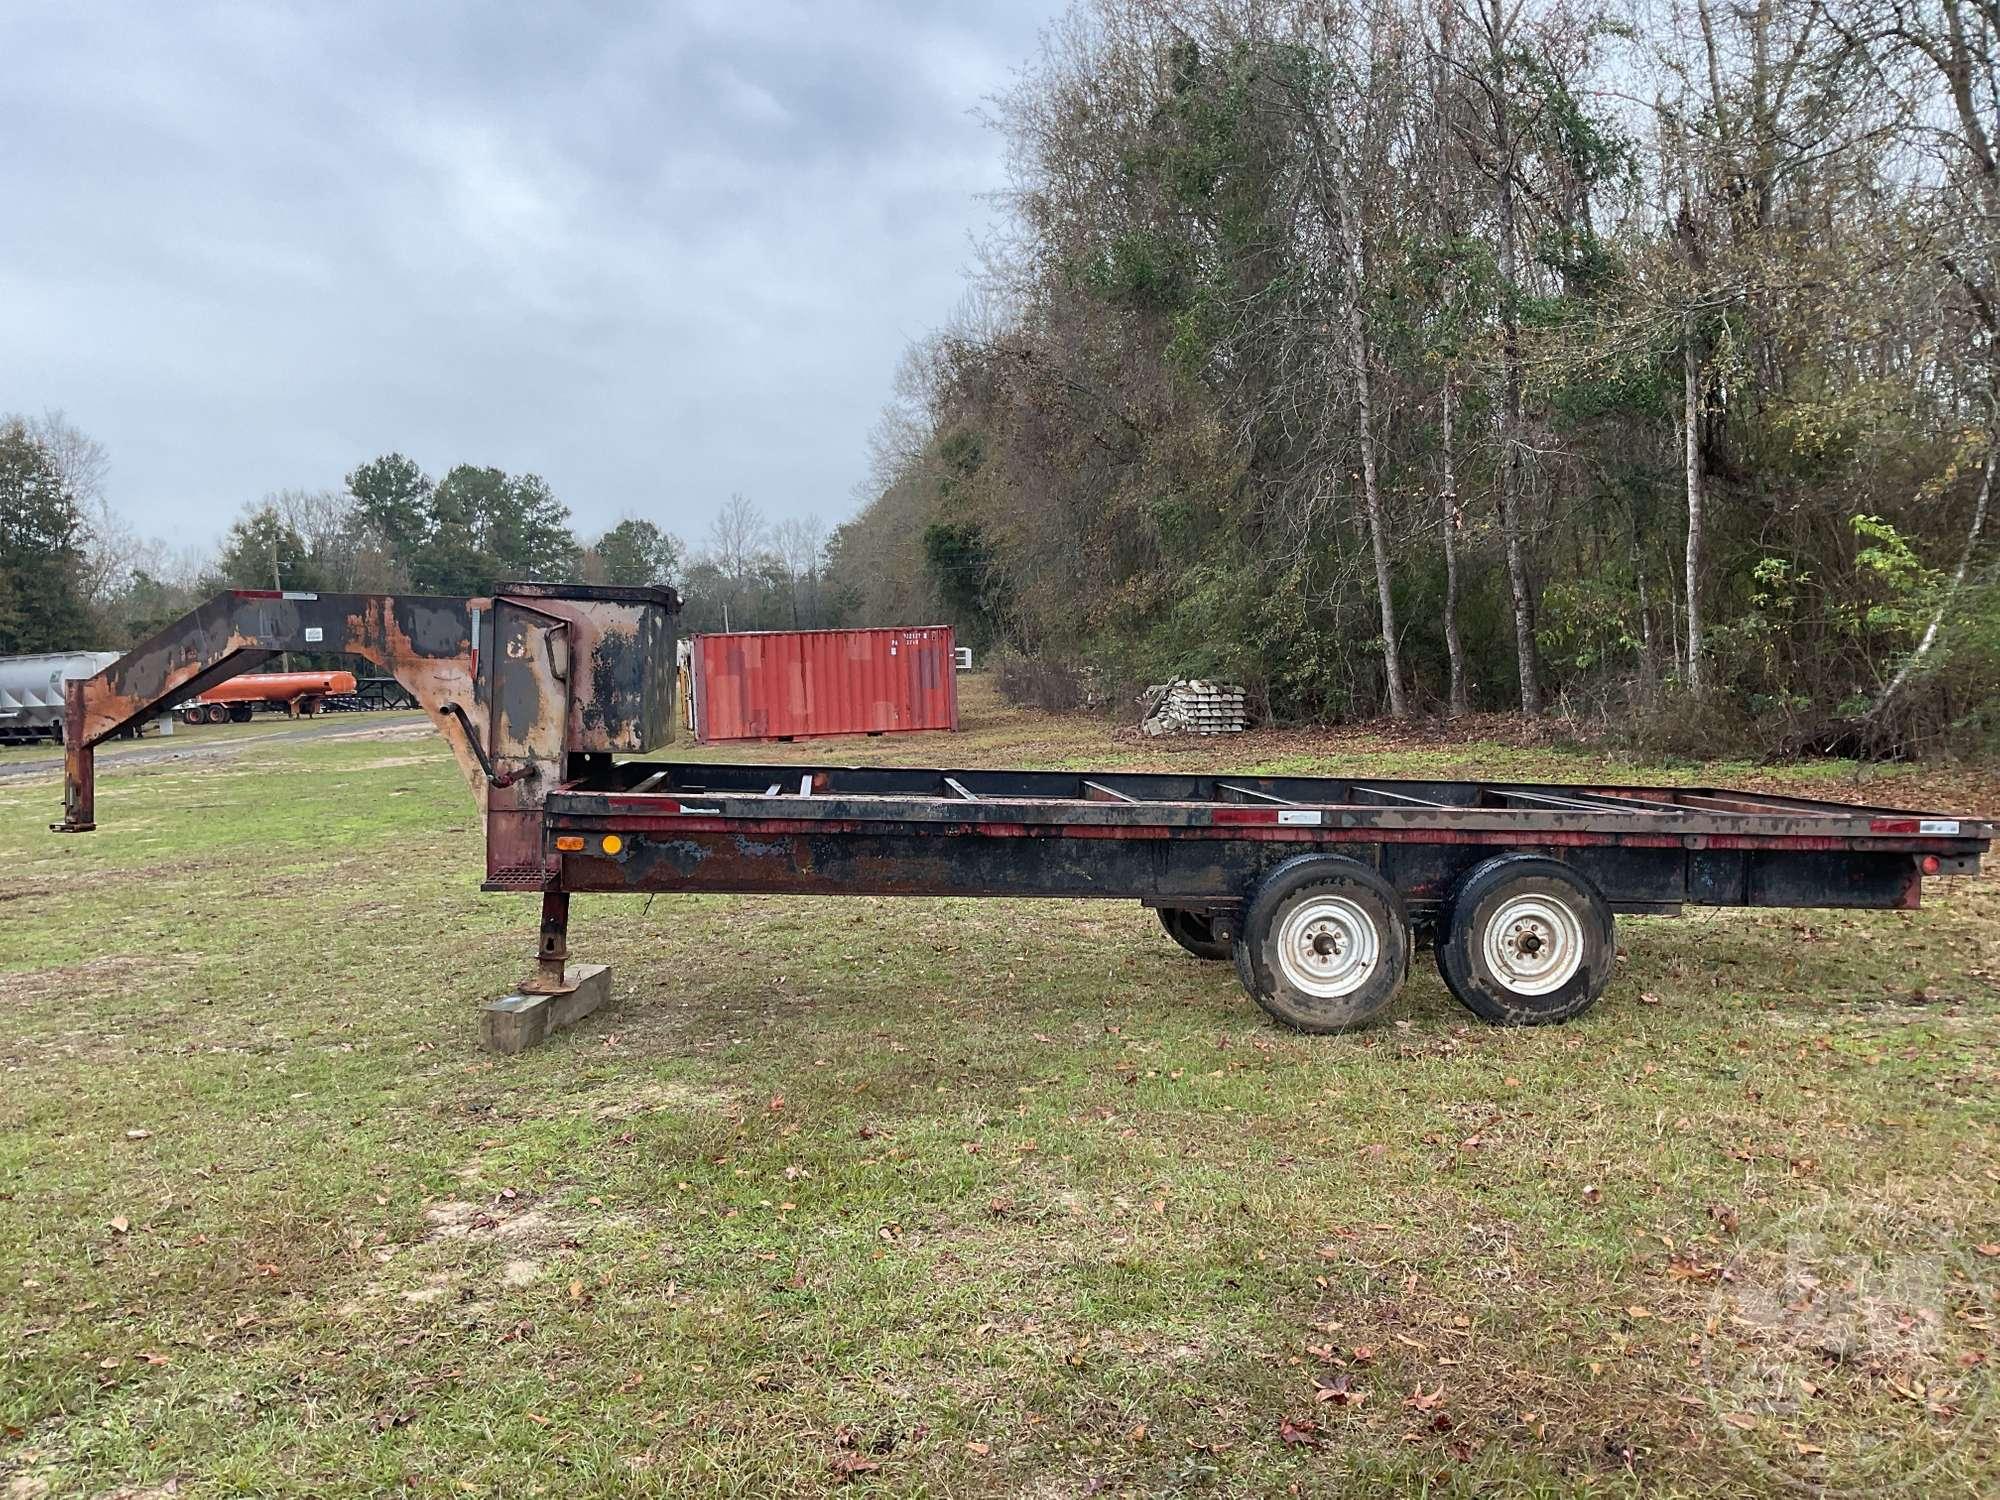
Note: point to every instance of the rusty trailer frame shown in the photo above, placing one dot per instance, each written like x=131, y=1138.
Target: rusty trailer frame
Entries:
x=1317, y=887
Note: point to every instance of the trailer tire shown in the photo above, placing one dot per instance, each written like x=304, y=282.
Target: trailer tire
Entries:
x=1324, y=944
x=1195, y=931
x=1528, y=942
x=218, y=713
x=240, y=713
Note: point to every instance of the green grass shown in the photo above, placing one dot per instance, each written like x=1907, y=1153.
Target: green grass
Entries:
x=946, y=1197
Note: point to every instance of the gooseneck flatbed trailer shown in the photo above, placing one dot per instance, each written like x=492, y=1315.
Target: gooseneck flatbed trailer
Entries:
x=1317, y=888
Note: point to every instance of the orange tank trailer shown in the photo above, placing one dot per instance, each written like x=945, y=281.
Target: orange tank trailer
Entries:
x=295, y=692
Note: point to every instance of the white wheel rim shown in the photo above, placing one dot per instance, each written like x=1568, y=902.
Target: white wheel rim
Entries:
x=1328, y=947
x=1534, y=944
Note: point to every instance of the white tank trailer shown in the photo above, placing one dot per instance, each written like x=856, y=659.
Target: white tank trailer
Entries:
x=31, y=691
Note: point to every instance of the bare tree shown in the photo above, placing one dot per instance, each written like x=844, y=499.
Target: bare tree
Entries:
x=1346, y=178
x=800, y=542
x=83, y=464
x=736, y=536
x=81, y=461
x=737, y=539
x=1498, y=150
x=1915, y=48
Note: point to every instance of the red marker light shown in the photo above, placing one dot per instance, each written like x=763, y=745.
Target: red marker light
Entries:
x=1932, y=864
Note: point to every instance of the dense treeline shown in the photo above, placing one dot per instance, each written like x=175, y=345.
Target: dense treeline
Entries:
x=1398, y=358
x=74, y=576
x=1638, y=366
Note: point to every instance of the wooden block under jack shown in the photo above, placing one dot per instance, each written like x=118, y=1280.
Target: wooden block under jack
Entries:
x=514, y=1023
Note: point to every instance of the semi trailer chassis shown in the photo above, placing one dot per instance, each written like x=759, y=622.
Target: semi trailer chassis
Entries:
x=1318, y=888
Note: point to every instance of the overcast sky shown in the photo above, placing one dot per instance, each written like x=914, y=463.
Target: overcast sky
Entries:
x=653, y=253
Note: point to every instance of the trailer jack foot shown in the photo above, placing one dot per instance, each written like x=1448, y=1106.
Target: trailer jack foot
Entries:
x=516, y=1022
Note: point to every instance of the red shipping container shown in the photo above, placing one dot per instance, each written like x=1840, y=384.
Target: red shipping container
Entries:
x=792, y=684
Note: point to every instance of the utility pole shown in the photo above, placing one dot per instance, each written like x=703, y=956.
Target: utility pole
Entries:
x=284, y=657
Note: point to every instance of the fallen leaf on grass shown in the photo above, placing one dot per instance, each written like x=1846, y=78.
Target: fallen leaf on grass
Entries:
x=119, y=1225
x=1987, y=1250
x=1647, y=997
x=138, y=1135
x=847, y=1465
x=1422, y=1402
x=1636, y=1311
x=537, y=1418
x=1338, y=1393
x=979, y=1450
x=1302, y=1432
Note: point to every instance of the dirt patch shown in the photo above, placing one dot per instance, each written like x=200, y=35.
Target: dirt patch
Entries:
x=630, y=1102
x=391, y=762
x=417, y=730
x=94, y=978
x=455, y=1230
x=456, y=1219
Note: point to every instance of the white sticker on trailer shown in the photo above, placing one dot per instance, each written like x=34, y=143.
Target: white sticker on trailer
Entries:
x=315, y=633
x=1287, y=815
x=1938, y=825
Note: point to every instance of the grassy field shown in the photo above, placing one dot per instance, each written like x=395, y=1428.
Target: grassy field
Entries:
x=952, y=1197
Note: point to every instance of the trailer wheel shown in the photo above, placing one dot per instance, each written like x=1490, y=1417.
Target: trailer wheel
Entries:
x=1324, y=945
x=1528, y=942
x=239, y=713
x=218, y=713
x=1195, y=931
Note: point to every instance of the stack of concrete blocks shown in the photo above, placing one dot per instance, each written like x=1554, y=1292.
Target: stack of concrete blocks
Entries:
x=1194, y=708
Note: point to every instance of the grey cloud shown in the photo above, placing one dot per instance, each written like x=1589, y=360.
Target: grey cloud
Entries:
x=654, y=253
